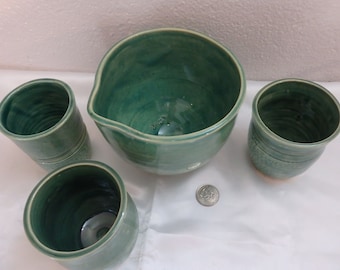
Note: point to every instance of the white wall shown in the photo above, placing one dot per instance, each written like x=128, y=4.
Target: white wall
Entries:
x=271, y=38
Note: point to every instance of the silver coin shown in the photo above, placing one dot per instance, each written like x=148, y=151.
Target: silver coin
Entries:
x=207, y=195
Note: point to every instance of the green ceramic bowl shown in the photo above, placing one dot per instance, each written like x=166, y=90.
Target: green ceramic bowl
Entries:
x=167, y=99
x=81, y=216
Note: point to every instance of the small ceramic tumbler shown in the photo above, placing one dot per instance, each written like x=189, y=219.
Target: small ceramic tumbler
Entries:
x=42, y=118
x=81, y=216
x=292, y=122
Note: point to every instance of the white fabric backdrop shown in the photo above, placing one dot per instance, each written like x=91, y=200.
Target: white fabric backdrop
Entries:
x=258, y=223
x=272, y=39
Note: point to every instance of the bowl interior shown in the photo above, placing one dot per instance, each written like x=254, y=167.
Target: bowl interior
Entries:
x=34, y=108
x=75, y=208
x=167, y=83
x=299, y=111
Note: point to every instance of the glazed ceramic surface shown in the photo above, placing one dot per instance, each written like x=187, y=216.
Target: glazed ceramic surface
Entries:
x=42, y=118
x=81, y=216
x=167, y=99
x=292, y=122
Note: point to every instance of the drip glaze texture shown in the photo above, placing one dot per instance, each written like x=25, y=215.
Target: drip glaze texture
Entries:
x=167, y=99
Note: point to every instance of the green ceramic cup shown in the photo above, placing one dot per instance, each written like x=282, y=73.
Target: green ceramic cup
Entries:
x=81, y=216
x=42, y=118
x=292, y=122
x=167, y=99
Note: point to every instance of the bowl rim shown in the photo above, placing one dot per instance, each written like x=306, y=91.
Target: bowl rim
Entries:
x=48, y=82
x=256, y=118
x=109, y=123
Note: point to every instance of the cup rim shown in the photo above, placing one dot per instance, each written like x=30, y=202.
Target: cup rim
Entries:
x=277, y=137
x=86, y=250
x=21, y=88
x=173, y=138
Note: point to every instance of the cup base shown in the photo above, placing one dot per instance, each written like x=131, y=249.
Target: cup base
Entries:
x=96, y=227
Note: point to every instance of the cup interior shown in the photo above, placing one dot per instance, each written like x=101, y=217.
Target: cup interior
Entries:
x=299, y=111
x=168, y=83
x=34, y=108
x=74, y=208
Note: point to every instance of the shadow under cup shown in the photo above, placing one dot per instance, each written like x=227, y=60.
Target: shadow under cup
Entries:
x=81, y=216
x=292, y=122
x=41, y=117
